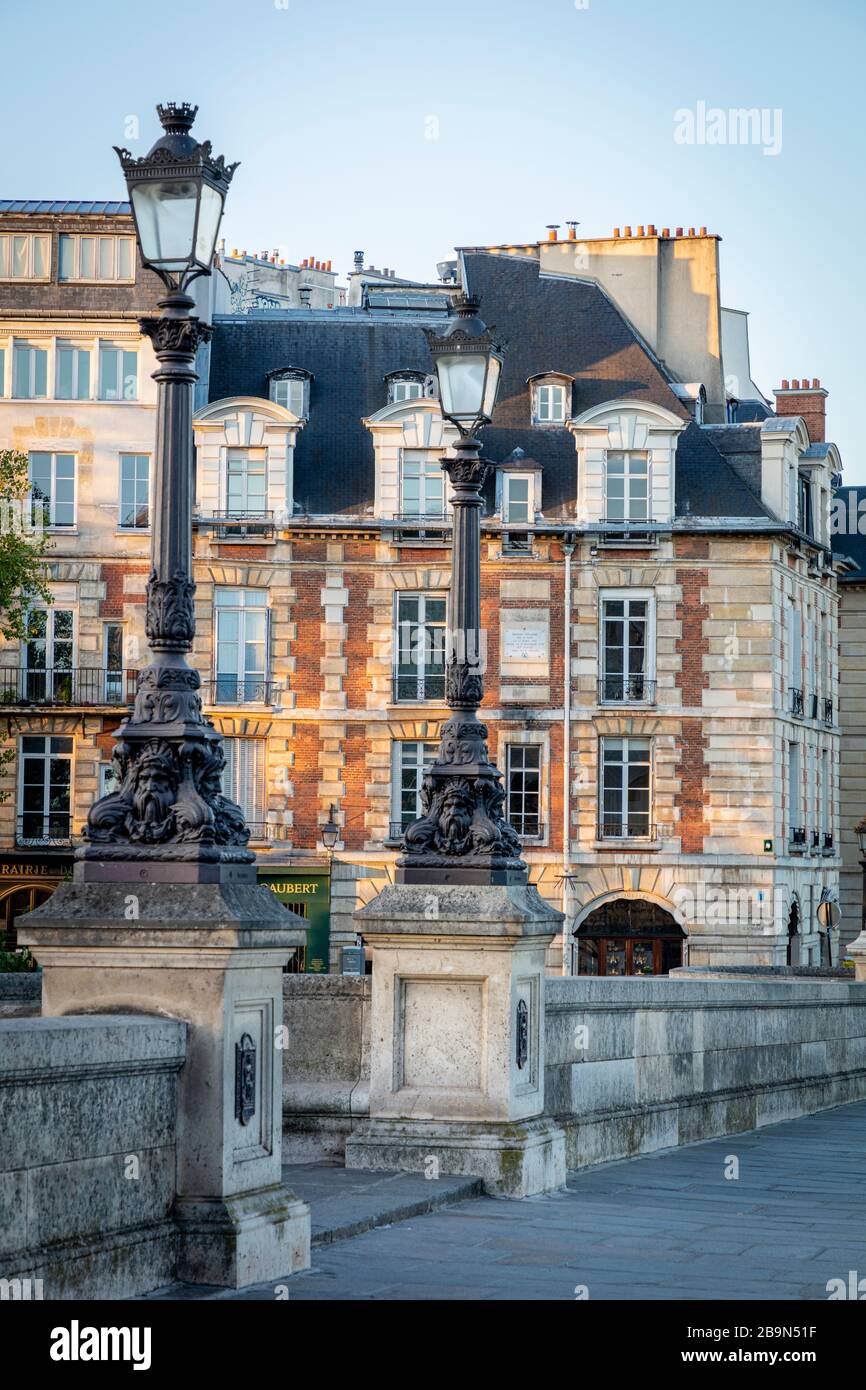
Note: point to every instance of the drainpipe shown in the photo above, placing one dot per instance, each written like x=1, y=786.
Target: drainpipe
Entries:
x=568, y=550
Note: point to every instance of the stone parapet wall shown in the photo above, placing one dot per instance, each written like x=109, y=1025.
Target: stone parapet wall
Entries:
x=638, y=1065
x=326, y=1076
x=88, y=1115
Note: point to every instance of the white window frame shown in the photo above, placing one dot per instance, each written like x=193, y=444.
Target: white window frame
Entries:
x=795, y=788
x=627, y=455
x=425, y=753
x=46, y=756
x=429, y=470
x=51, y=523
x=19, y=344
x=626, y=741
x=96, y=279
x=7, y=256
x=509, y=477
x=626, y=596
x=242, y=605
x=521, y=746
x=404, y=388
x=78, y=349
x=257, y=455
x=121, y=524
x=287, y=385
x=105, y=347
x=550, y=400
x=420, y=667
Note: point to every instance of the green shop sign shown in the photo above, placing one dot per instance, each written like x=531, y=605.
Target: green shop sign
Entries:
x=309, y=895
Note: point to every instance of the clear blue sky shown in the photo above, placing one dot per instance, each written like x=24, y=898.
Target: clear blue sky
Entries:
x=546, y=111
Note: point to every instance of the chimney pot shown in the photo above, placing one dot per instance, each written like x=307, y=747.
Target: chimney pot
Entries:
x=572, y=231
x=616, y=231
x=640, y=229
x=816, y=382
x=627, y=231
x=651, y=229
x=703, y=231
x=691, y=231
x=679, y=231
x=552, y=230
x=785, y=384
x=795, y=384
x=666, y=231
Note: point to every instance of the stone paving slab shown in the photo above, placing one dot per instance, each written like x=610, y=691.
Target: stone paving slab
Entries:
x=668, y=1225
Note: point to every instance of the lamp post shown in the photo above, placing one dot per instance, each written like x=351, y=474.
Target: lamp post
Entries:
x=169, y=809
x=462, y=835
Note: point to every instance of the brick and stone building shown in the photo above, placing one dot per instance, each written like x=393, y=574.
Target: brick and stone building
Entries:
x=658, y=602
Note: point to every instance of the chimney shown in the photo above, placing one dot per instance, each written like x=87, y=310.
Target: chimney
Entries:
x=801, y=398
x=552, y=231
x=359, y=260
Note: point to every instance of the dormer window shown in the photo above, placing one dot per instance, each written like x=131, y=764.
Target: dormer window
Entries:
x=804, y=506
x=408, y=386
x=551, y=398
x=627, y=487
x=290, y=388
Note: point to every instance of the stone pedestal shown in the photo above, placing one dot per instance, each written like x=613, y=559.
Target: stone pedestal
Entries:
x=856, y=951
x=211, y=953
x=457, y=1038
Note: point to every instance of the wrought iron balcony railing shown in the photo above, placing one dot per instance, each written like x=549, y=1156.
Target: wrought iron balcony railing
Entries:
x=36, y=829
x=796, y=701
x=828, y=842
x=266, y=831
x=516, y=543
x=816, y=839
x=620, y=690
x=415, y=688
x=230, y=524
x=433, y=527
x=797, y=839
x=78, y=686
x=240, y=690
x=828, y=713
x=633, y=827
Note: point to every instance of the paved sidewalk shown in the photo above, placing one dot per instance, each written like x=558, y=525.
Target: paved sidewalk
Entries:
x=668, y=1225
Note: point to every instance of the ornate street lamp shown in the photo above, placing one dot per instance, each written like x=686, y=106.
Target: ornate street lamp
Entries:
x=462, y=835
x=169, y=808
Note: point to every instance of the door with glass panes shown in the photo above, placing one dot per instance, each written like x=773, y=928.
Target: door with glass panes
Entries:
x=44, y=790
x=48, y=675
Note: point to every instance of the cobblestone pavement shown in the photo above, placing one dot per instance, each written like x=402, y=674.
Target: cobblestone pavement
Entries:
x=665, y=1226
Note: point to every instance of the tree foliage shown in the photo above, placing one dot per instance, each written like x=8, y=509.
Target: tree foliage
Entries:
x=23, y=548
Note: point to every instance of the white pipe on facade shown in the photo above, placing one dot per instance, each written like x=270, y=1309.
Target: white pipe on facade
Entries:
x=568, y=549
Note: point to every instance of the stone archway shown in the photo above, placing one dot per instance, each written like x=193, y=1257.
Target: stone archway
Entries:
x=628, y=936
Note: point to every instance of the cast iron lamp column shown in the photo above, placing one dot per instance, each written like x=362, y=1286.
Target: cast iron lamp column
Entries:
x=462, y=835
x=169, y=809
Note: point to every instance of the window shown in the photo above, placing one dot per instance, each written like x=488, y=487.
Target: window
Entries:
x=422, y=485
x=113, y=650
x=118, y=373
x=108, y=779
x=291, y=393
x=517, y=498
x=795, y=658
x=627, y=487
x=97, y=258
x=29, y=371
x=420, y=648
x=73, y=372
x=625, y=788
x=135, y=491
x=826, y=816
x=49, y=655
x=625, y=626
x=804, y=505
x=244, y=777
x=523, y=788
x=796, y=829
x=549, y=402
x=2, y=371
x=52, y=486
x=25, y=256
x=241, y=646
x=405, y=388
x=44, y=790
x=409, y=758
x=246, y=482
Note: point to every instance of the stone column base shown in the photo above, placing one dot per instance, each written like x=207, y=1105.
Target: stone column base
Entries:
x=236, y=1241
x=514, y=1158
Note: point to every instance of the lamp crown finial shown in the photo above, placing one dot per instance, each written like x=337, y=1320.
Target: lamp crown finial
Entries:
x=177, y=117
x=467, y=305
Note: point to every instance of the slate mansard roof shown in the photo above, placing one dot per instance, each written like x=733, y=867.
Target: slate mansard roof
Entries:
x=545, y=324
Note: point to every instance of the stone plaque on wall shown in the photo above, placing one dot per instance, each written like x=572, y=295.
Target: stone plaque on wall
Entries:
x=524, y=642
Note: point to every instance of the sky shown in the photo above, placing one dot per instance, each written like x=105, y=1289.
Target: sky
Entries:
x=406, y=129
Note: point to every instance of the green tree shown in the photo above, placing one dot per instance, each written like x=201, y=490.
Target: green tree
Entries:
x=23, y=548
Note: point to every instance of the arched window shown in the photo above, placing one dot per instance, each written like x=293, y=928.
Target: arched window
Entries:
x=290, y=388
x=408, y=385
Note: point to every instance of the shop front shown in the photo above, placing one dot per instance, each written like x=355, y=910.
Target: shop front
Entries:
x=308, y=893
x=27, y=879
